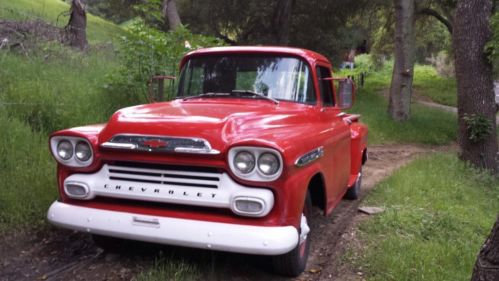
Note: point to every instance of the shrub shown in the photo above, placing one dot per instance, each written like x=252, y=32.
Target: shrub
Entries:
x=146, y=52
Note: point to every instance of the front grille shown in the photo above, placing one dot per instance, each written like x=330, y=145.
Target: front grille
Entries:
x=164, y=174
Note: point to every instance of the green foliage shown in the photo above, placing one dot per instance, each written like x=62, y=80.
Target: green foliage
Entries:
x=146, y=52
x=117, y=11
x=317, y=26
x=479, y=127
x=431, y=36
x=363, y=64
x=427, y=125
x=150, y=11
x=438, y=213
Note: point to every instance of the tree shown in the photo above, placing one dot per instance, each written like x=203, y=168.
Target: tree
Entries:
x=282, y=19
x=476, y=107
x=401, y=85
x=441, y=10
x=170, y=12
x=487, y=263
x=117, y=11
x=316, y=25
x=76, y=29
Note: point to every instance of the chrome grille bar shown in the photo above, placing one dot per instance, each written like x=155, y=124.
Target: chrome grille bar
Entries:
x=164, y=176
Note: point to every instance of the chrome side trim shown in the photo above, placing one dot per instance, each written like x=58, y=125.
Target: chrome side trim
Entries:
x=153, y=143
x=309, y=157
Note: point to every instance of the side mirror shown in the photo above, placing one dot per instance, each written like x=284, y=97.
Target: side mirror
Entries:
x=345, y=93
x=156, y=88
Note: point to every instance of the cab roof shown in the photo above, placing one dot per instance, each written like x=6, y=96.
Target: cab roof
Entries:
x=310, y=56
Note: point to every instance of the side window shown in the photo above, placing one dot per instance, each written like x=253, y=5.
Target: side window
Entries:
x=325, y=86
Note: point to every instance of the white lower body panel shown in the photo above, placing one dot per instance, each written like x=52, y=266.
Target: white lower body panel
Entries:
x=262, y=240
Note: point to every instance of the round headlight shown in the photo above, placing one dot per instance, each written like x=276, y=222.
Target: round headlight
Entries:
x=244, y=162
x=65, y=150
x=83, y=151
x=268, y=164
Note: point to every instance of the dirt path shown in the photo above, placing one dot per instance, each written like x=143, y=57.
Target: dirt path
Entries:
x=56, y=254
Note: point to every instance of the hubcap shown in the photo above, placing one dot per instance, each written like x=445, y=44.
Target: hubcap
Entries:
x=305, y=229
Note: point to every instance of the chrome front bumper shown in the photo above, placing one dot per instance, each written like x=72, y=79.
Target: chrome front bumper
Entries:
x=261, y=240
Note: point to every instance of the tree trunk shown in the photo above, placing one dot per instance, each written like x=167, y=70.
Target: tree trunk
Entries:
x=171, y=14
x=475, y=85
x=487, y=263
x=401, y=87
x=76, y=29
x=282, y=21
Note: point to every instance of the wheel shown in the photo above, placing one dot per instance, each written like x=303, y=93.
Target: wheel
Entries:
x=354, y=191
x=108, y=244
x=293, y=263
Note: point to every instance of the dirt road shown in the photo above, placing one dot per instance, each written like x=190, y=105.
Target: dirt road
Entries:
x=57, y=254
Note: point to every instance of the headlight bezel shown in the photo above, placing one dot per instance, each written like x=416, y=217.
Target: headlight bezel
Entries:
x=73, y=161
x=256, y=174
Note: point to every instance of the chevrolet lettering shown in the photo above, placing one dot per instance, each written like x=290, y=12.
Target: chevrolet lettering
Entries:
x=254, y=139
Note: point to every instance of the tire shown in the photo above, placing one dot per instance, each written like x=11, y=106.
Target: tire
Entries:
x=108, y=244
x=353, y=192
x=293, y=263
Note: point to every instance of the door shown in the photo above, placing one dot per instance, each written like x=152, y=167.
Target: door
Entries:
x=335, y=137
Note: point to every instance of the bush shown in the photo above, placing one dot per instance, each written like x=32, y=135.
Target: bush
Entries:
x=147, y=52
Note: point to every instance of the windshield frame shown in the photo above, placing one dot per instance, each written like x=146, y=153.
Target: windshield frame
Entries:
x=303, y=63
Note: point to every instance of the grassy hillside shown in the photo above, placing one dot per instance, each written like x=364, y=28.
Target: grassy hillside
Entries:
x=55, y=12
x=49, y=87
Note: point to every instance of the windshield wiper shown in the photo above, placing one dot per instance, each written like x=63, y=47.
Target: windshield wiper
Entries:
x=253, y=93
x=205, y=95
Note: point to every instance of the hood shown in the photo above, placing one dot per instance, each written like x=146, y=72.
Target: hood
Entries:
x=219, y=121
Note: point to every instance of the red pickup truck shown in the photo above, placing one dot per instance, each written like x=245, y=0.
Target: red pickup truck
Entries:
x=255, y=137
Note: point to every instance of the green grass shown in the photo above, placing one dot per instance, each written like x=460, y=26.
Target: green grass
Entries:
x=438, y=214
x=426, y=125
x=55, y=92
x=38, y=96
x=51, y=88
x=169, y=269
x=28, y=181
x=429, y=84
x=98, y=29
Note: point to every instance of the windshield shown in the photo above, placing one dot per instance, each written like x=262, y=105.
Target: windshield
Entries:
x=279, y=78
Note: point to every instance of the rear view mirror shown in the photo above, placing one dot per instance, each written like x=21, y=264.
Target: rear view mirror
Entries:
x=345, y=93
